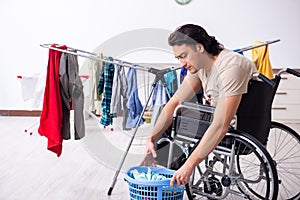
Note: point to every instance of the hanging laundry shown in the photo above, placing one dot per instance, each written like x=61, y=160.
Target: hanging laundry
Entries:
x=105, y=88
x=119, y=90
x=160, y=95
x=95, y=67
x=71, y=94
x=183, y=73
x=159, y=99
x=32, y=90
x=134, y=104
x=198, y=98
x=260, y=57
x=51, y=116
x=172, y=82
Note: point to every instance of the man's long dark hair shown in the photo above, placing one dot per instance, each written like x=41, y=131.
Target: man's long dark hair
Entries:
x=193, y=34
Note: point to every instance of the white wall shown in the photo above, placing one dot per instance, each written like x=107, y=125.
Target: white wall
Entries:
x=87, y=24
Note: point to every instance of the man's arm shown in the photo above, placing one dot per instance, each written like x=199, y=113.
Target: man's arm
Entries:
x=224, y=112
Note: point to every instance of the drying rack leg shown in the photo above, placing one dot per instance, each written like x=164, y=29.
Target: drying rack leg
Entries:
x=129, y=144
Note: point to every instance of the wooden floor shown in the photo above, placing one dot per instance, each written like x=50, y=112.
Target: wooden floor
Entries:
x=29, y=171
x=85, y=170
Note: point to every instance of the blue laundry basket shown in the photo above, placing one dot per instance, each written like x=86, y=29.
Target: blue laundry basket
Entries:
x=153, y=190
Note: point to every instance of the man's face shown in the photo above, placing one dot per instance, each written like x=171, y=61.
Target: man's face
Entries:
x=189, y=57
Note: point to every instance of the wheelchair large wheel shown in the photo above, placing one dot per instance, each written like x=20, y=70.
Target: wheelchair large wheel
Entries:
x=249, y=174
x=284, y=147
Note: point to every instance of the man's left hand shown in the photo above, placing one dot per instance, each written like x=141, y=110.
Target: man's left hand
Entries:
x=182, y=175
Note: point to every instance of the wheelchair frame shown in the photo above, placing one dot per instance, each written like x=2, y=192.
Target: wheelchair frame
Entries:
x=229, y=153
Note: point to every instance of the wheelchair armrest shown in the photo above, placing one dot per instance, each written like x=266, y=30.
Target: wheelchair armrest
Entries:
x=164, y=139
x=199, y=107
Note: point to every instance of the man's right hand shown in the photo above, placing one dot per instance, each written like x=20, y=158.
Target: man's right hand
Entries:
x=150, y=148
x=150, y=154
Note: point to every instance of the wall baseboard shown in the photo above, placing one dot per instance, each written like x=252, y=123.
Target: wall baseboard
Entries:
x=29, y=113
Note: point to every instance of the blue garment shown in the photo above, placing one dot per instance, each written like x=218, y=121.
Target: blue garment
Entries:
x=134, y=104
x=199, y=94
x=160, y=95
x=183, y=73
x=105, y=87
x=172, y=82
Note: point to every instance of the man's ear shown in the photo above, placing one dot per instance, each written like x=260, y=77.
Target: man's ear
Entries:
x=200, y=48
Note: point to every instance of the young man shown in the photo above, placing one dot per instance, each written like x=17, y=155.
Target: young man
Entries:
x=224, y=77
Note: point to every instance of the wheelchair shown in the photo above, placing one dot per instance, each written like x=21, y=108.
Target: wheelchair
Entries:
x=241, y=166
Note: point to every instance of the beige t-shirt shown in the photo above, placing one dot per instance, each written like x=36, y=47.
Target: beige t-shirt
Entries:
x=228, y=76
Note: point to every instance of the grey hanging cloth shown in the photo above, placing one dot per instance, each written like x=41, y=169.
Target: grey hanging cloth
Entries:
x=72, y=96
x=119, y=93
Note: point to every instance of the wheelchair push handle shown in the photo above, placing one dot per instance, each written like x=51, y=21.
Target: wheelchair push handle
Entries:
x=293, y=72
x=288, y=70
x=265, y=79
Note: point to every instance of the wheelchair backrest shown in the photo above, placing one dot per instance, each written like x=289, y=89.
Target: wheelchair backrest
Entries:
x=254, y=112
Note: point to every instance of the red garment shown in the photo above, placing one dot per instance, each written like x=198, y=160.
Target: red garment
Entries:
x=51, y=116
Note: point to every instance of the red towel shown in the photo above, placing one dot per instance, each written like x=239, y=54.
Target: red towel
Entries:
x=51, y=116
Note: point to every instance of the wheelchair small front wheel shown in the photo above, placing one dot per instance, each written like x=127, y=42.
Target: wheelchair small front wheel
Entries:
x=213, y=186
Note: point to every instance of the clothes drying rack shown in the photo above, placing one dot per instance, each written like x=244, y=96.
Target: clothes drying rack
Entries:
x=159, y=76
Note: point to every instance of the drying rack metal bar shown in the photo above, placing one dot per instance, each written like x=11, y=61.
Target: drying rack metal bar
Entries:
x=70, y=50
x=256, y=46
x=94, y=56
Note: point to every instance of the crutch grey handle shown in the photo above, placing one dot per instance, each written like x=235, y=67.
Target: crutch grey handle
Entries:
x=265, y=79
x=293, y=72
